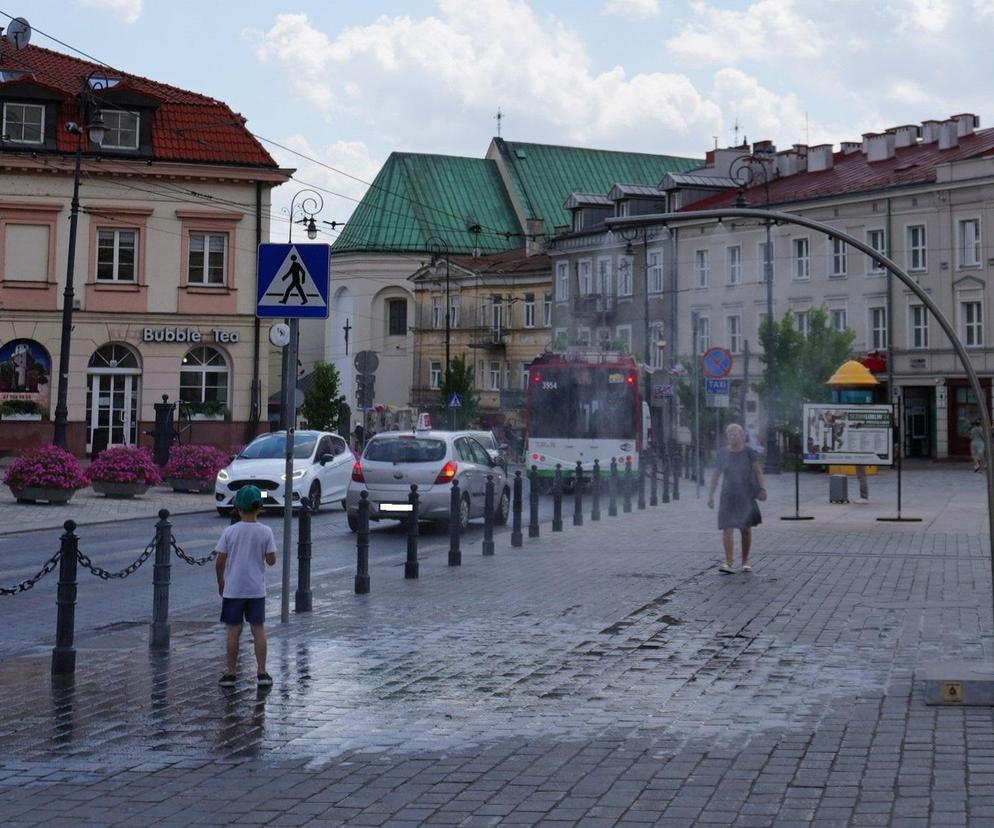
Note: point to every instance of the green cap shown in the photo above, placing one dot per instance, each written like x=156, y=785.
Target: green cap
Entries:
x=249, y=498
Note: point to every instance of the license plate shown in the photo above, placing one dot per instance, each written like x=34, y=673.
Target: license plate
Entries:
x=396, y=507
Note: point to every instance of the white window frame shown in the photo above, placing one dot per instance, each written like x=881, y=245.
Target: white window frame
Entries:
x=968, y=250
x=802, y=322
x=495, y=374
x=872, y=267
x=584, y=277
x=23, y=123
x=971, y=314
x=583, y=336
x=654, y=274
x=917, y=253
x=497, y=313
x=201, y=369
x=702, y=268
x=838, y=253
x=529, y=310
x=917, y=327
x=656, y=351
x=525, y=368
x=562, y=281
x=437, y=303
x=876, y=326
x=115, y=277
x=733, y=333
x=111, y=116
x=626, y=265
x=734, y=263
x=204, y=280
x=547, y=311
x=623, y=333
x=454, y=304
x=435, y=374
x=604, y=280
x=703, y=334
x=802, y=258
x=835, y=315
x=761, y=258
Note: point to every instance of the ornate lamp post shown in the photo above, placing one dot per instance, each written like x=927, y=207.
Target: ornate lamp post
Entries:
x=304, y=213
x=95, y=129
x=748, y=170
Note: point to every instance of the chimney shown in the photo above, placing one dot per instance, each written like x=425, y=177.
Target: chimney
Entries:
x=906, y=135
x=849, y=147
x=966, y=123
x=788, y=162
x=879, y=146
x=930, y=131
x=763, y=147
x=535, y=241
x=820, y=158
x=948, y=134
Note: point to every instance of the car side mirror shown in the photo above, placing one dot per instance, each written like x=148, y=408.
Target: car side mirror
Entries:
x=326, y=458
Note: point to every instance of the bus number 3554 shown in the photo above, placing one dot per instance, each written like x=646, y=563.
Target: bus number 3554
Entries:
x=549, y=385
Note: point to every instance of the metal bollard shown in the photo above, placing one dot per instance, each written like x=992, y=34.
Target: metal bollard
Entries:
x=64, y=654
x=640, y=482
x=595, y=495
x=612, y=490
x=557, y=499
x=411, y=569
x=653, y=479
x=578, y=496
x=626, y=488
x=665, y=463
x=158, y=638
x=455, y=503
x=533, y=527
x=362, y=546
x=675, y=460
x=516, y=539
x=302, y=598
x=488, y=517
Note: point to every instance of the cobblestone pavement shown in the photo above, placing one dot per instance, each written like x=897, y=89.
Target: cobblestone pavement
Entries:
x=605, y=676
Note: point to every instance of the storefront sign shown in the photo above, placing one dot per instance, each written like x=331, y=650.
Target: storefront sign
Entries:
x=25, y=374
x=848, y=434
x=188, y=335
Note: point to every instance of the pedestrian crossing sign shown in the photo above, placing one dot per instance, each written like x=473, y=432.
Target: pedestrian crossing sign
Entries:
x=455, y=401
x=293, y=281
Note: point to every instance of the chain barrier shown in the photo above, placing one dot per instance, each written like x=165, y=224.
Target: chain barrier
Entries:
x=130, y=569
x=26, y=584
x=189, y=558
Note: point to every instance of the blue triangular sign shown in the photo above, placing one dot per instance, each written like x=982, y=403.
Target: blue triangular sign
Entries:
x=455, y=401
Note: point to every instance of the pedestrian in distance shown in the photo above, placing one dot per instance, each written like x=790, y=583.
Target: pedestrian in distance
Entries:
x=752, y=438
x=977, y=448
x=742, y=484
x=242, y=554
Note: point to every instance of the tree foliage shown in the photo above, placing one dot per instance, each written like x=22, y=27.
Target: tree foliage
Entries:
x=463, y=383
x=324, y=406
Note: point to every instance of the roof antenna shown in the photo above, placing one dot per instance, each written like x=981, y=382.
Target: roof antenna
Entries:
x=736, y=132
x=498, y=118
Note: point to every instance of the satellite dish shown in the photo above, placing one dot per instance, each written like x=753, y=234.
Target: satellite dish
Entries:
x=19, y=32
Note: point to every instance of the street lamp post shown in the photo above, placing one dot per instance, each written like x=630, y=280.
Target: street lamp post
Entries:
x=95, y=128
x=751, y=167
x=439, y=249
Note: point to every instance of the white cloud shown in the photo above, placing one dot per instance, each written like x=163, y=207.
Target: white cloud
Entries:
x=128, y=10
x=767, y=30
x=983, y=8
x=927, y=16
x=763, y=114
x=632, y=9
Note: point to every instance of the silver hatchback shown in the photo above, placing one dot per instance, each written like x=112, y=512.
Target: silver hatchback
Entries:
x=393, y=460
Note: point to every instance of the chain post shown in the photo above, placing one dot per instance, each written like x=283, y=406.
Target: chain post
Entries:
x=362, y=546
x=626, y=488
x=612, y=489
x=557, y=499
x=158, y=638
x=595, y=509
x=665, y=463
x=303, y=597
x=455, y=529
x=653, y=479
x=64, y=653
x=411, y=569
x=640, y=481
x=488, y=517
x=675, y=470
x=533, y=526
x=516, y=538
x=578, y=496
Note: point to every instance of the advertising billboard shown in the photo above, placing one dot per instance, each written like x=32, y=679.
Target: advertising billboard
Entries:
x=858, y=435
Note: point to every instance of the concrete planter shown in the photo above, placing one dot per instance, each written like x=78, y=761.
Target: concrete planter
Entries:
x=34, y=494
x=181, y=484
x=118, y=490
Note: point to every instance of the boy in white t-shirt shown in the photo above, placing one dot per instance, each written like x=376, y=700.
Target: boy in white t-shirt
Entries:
x=242, y=553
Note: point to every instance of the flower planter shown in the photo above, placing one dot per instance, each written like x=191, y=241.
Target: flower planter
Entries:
x=113, y=489
x=181, y=484
x=33, y=494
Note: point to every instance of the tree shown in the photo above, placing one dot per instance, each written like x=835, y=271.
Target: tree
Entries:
x=803, y=364
x=324, y=407
x=463, y=383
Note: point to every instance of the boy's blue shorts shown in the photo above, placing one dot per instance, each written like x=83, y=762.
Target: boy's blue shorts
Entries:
x=234, y=610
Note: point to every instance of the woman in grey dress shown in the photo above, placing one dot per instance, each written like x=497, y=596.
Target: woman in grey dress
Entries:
x=742, y=484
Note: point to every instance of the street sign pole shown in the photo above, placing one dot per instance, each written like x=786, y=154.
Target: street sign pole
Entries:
x=290, y=418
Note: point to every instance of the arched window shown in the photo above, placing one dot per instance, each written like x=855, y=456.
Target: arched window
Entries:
x=115, y=357
x=203, y=381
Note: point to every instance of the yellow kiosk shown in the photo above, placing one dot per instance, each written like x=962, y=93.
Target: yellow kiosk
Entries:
x=852, y=383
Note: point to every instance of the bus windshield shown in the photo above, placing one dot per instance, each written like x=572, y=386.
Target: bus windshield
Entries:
x=582, y=402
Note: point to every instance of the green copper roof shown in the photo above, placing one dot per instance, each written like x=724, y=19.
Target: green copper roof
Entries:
x=543, y=176
x=415, y=198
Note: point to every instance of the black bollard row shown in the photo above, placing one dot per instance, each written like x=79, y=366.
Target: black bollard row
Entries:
x=595, y=492
x=665, y=465
x=641, y=480
x=557, y=499
x=516, y=539
x=455, y=526
x=362, y=547
x=653, y=479
x=158, y=638
x=533, y=527
x=302, y=598
x=626, y=491
x=612, y=490
x=488, y=517
x=578, y=495
x=411, y=564
x=64, y=653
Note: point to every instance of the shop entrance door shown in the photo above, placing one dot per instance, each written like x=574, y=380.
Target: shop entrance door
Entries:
x=112, y=398
x=919, y=405
x=963, y=411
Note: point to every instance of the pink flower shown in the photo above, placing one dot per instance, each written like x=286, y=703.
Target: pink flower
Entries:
x=195, y=463
x=48, y=467
x=125, y=464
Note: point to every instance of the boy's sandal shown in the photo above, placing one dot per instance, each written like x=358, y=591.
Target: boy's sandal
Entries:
x=265, y=680
x=747, y=568
x=227, y=680
x=725, y=569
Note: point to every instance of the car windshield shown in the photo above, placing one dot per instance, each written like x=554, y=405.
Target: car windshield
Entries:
x=404, y=450
x=273, y=446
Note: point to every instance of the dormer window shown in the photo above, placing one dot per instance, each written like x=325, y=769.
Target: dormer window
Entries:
x=23, y=123
x=121, y=129
x=97, y=82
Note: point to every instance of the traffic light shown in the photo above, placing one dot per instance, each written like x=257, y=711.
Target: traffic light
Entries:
x=365, y=390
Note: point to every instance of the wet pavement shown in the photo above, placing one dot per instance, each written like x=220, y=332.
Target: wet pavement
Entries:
x=608, y=675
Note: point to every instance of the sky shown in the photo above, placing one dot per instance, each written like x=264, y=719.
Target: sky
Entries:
x=347, y=83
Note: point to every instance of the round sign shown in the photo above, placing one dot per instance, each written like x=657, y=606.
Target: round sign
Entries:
x=366, y=362
x=279, y=335
x=716, y=363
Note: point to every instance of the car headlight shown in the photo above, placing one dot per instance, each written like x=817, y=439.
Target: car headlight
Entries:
x=297, y=475
x=223, y=475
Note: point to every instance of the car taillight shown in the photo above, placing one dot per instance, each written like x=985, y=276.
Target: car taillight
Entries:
x=448, y=473
x=357, y=473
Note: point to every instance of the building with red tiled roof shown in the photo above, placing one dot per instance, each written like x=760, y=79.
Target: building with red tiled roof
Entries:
x=922, y=194
x=174, y=199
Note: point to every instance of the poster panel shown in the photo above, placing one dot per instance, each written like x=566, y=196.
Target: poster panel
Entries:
x=25, y=374
x=848, y=434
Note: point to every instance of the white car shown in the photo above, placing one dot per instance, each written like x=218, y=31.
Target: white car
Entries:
x=322, y=467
